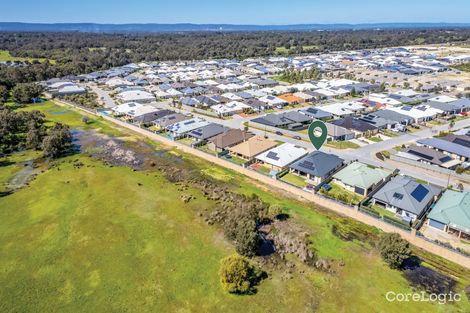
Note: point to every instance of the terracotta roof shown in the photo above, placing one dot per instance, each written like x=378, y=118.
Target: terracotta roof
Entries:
x=253, y=146
x=290, y=98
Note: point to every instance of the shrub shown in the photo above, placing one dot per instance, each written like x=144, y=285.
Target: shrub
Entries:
x=236, y=274
x=85, y=119
x=394, y=250
x=459, y=169
x=274, y=211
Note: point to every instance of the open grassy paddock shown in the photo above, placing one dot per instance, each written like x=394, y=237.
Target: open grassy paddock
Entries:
x=6, y=56
x=101, y=238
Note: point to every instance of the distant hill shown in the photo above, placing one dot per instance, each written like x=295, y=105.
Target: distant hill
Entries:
x=187, y=27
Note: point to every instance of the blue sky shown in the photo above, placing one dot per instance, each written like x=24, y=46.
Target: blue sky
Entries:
x=236, y=11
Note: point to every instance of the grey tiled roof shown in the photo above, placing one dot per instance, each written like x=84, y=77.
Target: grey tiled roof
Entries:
x=406, y=193
x=318, y=164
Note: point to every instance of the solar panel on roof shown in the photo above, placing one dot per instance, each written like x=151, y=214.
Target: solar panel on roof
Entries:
x=420, y=193
x=445, y=159
x=308, y=165
x=424, y=156
x=272, y=155
x=462, y=142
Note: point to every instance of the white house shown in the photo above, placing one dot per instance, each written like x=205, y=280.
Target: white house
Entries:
x=136, y=96
x=279, y=158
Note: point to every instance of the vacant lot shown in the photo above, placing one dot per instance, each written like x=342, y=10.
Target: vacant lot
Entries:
x=90, y=237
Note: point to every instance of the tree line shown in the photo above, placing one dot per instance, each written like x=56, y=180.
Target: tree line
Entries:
x=77, y=53
x=27, y=130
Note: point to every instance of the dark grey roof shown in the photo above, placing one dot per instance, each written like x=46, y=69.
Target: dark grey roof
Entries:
x=254, y=103
x=463, y=140
x=445, y=145
x=446, y=107
x=406, y=193
x=297, y=117
x=207, y=131
x=403, y=99
x=283, y=119
x=377, y=121
x=170, y=119
x=318, y=164
x=338, y=131
x=393, y=116
x=428, y=155
x=354, y=124
x=275, y=120
x=264, y=82
x=152, y=116
x=207, y=100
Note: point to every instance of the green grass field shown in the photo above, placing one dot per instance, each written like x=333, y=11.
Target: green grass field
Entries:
x=56, y=113
x=283, y=50
x=97, y=238
x=6, y=56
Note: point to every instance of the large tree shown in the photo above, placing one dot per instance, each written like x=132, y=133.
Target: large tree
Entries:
x=26, y=92
x=14, y=126
x=58, y=141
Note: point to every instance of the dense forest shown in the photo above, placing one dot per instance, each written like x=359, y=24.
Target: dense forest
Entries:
x=77, y=53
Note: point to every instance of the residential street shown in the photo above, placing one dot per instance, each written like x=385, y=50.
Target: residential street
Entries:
x=108, y=102
x=365, y=154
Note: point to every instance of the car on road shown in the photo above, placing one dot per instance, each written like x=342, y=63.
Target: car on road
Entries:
x=279, y=133
x=297, y=138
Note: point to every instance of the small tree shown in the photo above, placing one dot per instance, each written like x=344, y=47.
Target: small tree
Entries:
x=236, y=274
x=394, y=250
